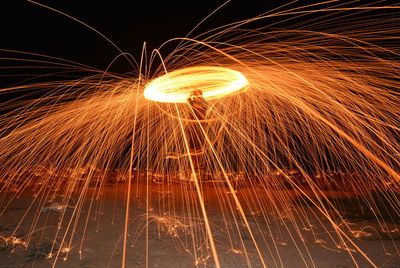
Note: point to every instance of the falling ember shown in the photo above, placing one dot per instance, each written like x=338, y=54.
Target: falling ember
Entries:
x=214, y=82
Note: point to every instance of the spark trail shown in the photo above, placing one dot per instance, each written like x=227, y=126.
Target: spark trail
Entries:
x=300, y=114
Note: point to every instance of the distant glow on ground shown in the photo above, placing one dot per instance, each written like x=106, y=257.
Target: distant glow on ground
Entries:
x=214, y=82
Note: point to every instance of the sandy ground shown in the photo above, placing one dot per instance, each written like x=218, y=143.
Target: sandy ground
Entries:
x=173, y=232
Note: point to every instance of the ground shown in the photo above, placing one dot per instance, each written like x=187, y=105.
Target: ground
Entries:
x=289, y=233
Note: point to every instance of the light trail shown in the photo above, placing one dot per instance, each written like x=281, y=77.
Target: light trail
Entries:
x=214, y=82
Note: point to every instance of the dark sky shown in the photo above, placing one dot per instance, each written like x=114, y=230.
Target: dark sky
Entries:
x=128, y=23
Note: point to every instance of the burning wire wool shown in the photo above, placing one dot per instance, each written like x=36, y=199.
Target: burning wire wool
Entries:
x=214, y=82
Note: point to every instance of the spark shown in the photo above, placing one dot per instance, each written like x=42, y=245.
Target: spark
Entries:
x=14, y=241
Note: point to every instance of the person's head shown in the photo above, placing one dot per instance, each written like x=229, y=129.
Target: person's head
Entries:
x=197, y=93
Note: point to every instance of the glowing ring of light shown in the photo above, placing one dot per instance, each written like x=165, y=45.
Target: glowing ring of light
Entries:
x=214, y=82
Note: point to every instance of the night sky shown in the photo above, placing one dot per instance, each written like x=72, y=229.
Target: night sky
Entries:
x=29, y=27
x=128, y=23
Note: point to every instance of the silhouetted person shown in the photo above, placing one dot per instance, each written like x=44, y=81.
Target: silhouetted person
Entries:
x=198, y=104
x=197, y=114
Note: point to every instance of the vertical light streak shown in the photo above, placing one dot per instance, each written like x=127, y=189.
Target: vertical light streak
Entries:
x=128, y=195
x=199, y=194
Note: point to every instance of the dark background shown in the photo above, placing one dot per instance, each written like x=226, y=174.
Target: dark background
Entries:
x=26, y=26
x=128, y=23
